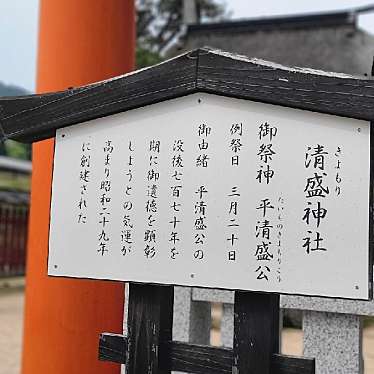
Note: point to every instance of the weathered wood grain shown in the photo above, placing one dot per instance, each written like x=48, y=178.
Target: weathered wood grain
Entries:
x=36, y=117
x=112, y=347
x=200, y=359
x=296, y=89
x=150, y=321
x=281, y=364
x=256, y=331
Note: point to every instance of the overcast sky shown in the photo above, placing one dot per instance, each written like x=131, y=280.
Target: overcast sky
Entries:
x=19, y=18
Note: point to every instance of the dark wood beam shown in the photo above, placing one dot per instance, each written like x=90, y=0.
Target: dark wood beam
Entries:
x=113, y=348
x=200, y=359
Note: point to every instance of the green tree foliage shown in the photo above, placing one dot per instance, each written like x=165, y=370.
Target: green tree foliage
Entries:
x=159, y=23
x=17, y=150
x=2, y=149
x=9, y=90
x=145, y=57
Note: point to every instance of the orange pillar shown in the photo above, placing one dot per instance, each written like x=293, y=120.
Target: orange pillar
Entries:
x=81, y=41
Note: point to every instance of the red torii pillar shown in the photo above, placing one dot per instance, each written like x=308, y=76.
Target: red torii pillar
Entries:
x=80, y=41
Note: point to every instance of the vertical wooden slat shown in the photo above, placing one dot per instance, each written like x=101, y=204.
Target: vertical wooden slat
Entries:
x=10, y=238
x=25, y=225
x=2, y=247
x=18, y=240
x=150, y=321
x=7, y=233
x=4, y=218
x=256, y=332
x=22, y=236
x=13, y=240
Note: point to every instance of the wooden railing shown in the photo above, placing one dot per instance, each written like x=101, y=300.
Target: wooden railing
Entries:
x=13, y=239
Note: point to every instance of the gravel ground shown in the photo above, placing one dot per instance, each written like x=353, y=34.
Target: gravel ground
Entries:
x=11, y=318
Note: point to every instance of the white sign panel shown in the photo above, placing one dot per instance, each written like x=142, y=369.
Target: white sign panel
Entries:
x=215, y=192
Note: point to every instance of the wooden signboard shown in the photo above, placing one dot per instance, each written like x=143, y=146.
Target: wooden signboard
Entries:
x=209, y=170
x=212, y=191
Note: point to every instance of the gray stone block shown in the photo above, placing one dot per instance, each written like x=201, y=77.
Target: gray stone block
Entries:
x=192, y=319
x=335, y=340
x=227, y=325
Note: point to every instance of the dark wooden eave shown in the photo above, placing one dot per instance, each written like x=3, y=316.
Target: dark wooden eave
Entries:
x=36, y=117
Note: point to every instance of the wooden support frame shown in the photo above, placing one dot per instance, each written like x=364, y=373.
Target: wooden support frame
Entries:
x=148, y=348
x=256, y=331
x=150, y=323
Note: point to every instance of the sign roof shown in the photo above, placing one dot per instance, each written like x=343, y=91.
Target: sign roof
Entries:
x=36, y=117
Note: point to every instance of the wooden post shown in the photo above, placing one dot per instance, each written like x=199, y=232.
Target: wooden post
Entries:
x=150, y=323
x=80, y=42
x=256, y=332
